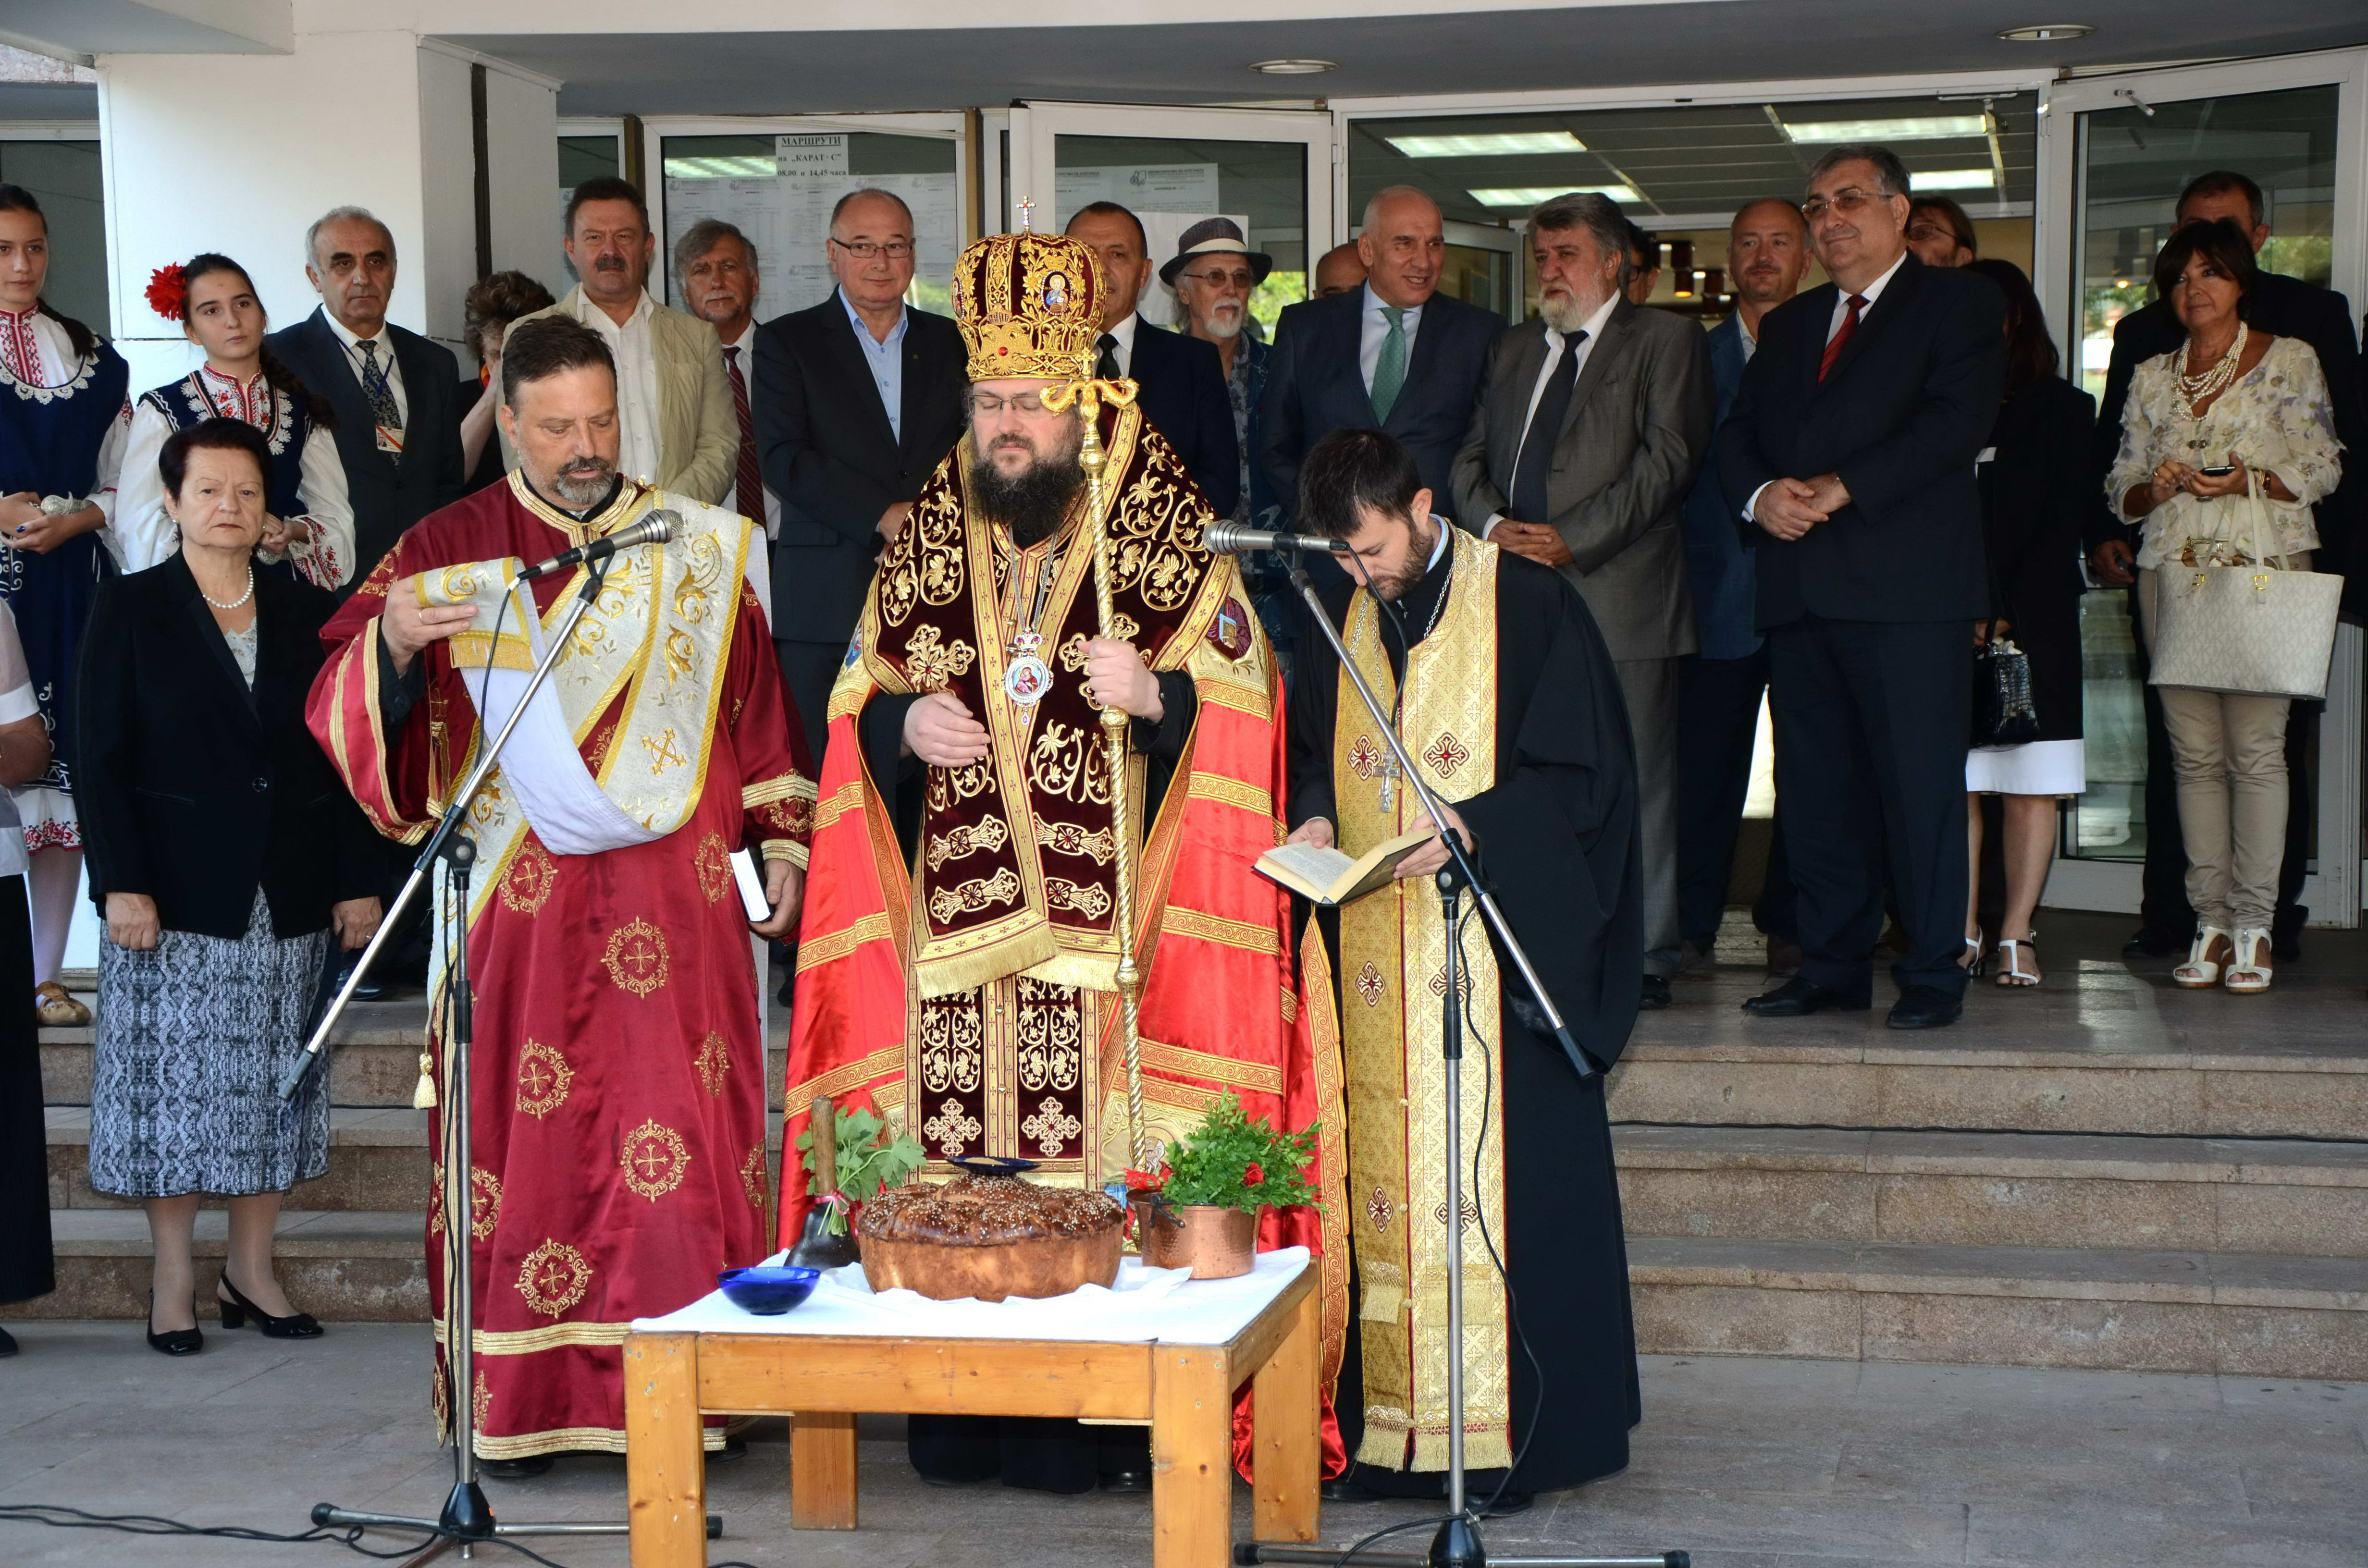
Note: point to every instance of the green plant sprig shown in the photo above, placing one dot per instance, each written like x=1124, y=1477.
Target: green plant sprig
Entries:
x=869, y=1159
x=1215, y=1160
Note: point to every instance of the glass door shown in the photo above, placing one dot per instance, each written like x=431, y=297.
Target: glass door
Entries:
x=2120, y=148
x=777, y=178
x=1269, y=170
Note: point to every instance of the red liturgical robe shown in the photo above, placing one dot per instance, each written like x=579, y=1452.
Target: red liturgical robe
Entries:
x=617, y=1094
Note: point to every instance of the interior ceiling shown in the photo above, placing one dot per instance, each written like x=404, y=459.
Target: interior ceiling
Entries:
x=788, y=72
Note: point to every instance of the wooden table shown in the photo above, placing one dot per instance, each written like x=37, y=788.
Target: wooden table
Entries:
x=1186, y=1391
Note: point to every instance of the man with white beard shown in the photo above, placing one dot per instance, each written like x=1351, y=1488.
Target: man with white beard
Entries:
x=1215, y=272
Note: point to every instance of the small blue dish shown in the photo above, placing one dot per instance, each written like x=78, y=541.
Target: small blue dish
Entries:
x=768, y=1293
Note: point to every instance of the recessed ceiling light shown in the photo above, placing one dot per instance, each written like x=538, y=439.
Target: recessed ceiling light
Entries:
x=1488, y=144
x=2047, y=32
x=1293, y=67
x=1530, y=195
x=1953, y=179
x=1923, y=128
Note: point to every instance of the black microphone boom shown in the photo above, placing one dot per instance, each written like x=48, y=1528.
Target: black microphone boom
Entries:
x=1233, y=538
x=655, y=529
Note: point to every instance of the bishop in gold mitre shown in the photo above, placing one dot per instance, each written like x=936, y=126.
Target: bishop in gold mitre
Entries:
x=958, y=960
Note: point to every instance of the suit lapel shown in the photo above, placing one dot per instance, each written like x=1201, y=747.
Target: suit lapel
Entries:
x=917, y=379
x=1878, y=316
x=1608, y=348
x=838, y=332
x=411, y=356
x=343, y=388
x=210, y=635
x=1346, y=332
x=1511, y=415
x=1427, y=350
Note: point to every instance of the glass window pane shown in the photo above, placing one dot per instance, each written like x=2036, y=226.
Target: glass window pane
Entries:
x=63, y=176
x=1170, y=185
x=779, y=190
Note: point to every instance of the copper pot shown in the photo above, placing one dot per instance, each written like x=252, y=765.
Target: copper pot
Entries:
x=1215, y=1243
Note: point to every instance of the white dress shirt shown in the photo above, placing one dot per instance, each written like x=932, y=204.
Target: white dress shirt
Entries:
x=1592, y=327
x=1374, y=330
x=1870, y=293
x=386, y=361
x=1125, y=352
x=747, y=344
x=637, y=383
x=38, y=353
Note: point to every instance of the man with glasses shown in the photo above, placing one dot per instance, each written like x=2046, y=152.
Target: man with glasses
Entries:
x=1850, y=455
x=857, y=400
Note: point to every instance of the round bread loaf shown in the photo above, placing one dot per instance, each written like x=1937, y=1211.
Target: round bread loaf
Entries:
x=990, y=1237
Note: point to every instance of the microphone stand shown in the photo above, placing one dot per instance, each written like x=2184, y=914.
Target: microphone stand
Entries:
x=1457, y=1544
x=467, y=1518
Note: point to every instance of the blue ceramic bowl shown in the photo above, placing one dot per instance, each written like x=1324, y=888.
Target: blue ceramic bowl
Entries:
x=768, y=1293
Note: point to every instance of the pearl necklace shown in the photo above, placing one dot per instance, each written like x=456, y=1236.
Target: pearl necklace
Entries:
x=2195, y=388
x=237, y=602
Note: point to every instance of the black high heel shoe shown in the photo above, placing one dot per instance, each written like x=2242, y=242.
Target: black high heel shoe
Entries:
x=238, y=1309
x=181, y=1342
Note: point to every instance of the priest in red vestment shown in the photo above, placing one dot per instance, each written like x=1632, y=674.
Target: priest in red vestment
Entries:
x=617, y=1086
x=958, y=959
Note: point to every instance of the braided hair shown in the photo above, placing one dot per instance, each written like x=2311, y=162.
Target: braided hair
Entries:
x=16, y=199
x=275, y=370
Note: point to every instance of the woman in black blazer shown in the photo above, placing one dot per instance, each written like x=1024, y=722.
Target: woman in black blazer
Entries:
x=2037, y=490
x=222, y=851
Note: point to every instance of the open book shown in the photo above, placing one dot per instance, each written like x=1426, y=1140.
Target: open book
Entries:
x=1330, y=876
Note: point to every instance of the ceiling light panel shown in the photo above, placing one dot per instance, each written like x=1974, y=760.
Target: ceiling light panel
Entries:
x=1489, y=144
x=1953, y=179
x=1925, y=128
x=1530, y=195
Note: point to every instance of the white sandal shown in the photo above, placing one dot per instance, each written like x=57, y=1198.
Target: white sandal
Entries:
x=2202, y=969
x=2248, y=972
x=2010, y=951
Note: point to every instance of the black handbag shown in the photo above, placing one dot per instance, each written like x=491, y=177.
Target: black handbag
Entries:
x=2003, y=712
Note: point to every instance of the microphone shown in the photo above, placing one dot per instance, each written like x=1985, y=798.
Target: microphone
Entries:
x=655, y=529
x=1233, y=538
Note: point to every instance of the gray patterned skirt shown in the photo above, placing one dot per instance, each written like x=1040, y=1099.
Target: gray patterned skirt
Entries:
x=193, y=1037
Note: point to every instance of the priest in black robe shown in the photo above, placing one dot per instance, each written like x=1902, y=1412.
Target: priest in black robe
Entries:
x=1512, y=712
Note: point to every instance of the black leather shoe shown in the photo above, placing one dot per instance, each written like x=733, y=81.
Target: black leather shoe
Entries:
x=1504, y=1507
x=1797, y=998
x=2147, y=942
x=515, y=1469
x=1655, y=994
x=8, y=1343
x=1132, y=1481
x=238, y=1309
x=1343, y=1490
x=179, y=1342
x=1925, y=1008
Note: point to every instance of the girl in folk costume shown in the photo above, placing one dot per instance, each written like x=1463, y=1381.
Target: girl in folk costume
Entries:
x=63, y=421
x=308, y=532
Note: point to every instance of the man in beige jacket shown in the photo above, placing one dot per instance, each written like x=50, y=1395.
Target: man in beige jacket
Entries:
x=677, y=428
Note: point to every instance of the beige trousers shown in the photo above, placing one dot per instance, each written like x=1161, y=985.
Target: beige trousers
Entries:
x=2229, y=753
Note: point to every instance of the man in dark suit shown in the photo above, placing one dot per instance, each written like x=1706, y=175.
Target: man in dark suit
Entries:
x=2283, y=307
x=1179, y=380
x=396, y=394
x=857, y=400
x=1722, y=683
x=1590, y=427
x=1394, y=355
x=1848, y=455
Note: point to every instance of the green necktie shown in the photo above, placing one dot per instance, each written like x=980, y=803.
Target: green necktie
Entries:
x=1389, y=371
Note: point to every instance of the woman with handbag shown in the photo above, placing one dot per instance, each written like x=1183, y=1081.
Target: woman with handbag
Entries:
x=2035, y=490
x=2225, y=443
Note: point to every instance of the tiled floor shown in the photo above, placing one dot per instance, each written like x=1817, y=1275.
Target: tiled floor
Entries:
x=1747, y=1463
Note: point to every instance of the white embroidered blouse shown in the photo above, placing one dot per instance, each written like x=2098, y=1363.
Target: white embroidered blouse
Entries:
x=38, y=359
x=2276, y=419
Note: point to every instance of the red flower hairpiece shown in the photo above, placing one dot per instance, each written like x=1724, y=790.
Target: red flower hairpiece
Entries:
x=168, y=293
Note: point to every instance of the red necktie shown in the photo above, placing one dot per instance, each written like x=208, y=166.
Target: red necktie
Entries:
x=751, y=498
x=1825, y=366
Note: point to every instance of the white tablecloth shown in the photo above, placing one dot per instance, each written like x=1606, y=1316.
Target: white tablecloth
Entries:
x=1145, y=1305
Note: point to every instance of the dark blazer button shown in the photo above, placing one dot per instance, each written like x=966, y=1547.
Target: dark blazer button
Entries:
x=262, y=786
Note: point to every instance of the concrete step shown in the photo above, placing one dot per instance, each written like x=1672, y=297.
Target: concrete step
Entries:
x=341, y=1267
x=377, y=1163
x=1994, y=1189
x=2186, y=1311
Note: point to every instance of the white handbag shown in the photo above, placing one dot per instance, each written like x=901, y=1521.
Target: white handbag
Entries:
x=2253, y=629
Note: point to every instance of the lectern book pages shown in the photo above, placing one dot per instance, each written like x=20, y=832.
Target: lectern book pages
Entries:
x=1330, y=876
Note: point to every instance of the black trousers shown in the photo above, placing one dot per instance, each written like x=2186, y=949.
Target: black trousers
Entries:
x=2163, y=908
x=1871, y=724
x=808, y=669
x=1718, y=715
x=26, y=1270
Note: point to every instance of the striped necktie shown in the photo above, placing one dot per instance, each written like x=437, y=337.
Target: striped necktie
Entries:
x=750, y=486
x=384, y=408
x=1841, y=335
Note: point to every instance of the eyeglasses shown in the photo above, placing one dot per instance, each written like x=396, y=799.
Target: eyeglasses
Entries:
x=865, y=250
x=1027, y=404
x=1932, y=231
x=1241, y=278
x=1847, y=201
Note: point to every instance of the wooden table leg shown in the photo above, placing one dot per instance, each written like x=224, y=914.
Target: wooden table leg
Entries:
x=822, y=1469
x=1285, y=1441
x=1191, y=1458
x=665, y=1472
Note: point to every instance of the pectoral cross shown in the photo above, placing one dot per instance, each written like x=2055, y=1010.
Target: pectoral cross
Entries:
x=1026, y=209
x=1389, y=779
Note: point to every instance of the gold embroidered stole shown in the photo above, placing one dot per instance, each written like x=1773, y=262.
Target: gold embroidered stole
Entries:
x=1393, y=966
